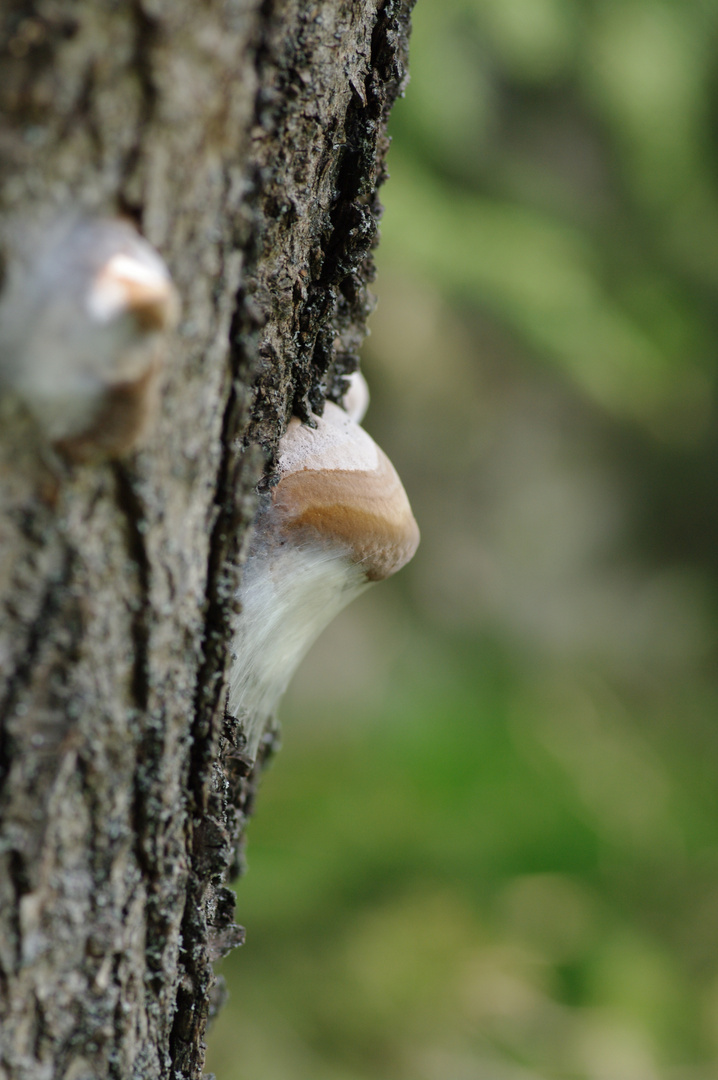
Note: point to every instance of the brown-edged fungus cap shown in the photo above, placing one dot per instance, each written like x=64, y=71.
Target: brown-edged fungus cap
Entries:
x=141, y=287
x=338, y=487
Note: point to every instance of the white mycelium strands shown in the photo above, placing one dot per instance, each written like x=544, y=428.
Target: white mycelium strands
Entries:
x=80, y=321
x=337, y=520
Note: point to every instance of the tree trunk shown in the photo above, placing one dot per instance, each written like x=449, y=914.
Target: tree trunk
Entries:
x=246, y=140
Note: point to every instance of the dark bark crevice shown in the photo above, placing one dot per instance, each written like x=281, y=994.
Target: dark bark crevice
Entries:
x=130, y=505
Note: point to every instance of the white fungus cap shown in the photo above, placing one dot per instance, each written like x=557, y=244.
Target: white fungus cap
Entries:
x=336, y=486
x=81, y=323
x=356, y=400
x=135, y=283
x=337, y=519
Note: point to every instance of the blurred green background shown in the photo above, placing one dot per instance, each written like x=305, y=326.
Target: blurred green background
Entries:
x=489, y=848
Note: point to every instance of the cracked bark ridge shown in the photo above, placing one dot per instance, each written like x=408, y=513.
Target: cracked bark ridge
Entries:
x=246, y=139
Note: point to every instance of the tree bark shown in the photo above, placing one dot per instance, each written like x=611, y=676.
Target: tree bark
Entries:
x=246, y=139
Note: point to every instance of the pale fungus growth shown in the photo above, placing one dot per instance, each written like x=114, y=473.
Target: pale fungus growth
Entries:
x=337, y=520
x=356, y=400
x=82, y=316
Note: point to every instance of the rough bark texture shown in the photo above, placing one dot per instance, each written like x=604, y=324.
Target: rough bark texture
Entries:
x=247, y=140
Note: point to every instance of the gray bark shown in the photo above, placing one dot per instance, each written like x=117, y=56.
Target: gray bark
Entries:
x=247, y=141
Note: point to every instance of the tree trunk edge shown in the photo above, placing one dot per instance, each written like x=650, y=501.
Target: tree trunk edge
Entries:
x=180, y=866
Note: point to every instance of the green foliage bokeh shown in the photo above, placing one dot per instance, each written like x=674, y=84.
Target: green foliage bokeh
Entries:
x=489, y=848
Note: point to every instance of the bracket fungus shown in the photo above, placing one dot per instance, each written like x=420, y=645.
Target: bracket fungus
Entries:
x=81, y=320
x=337, y=520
